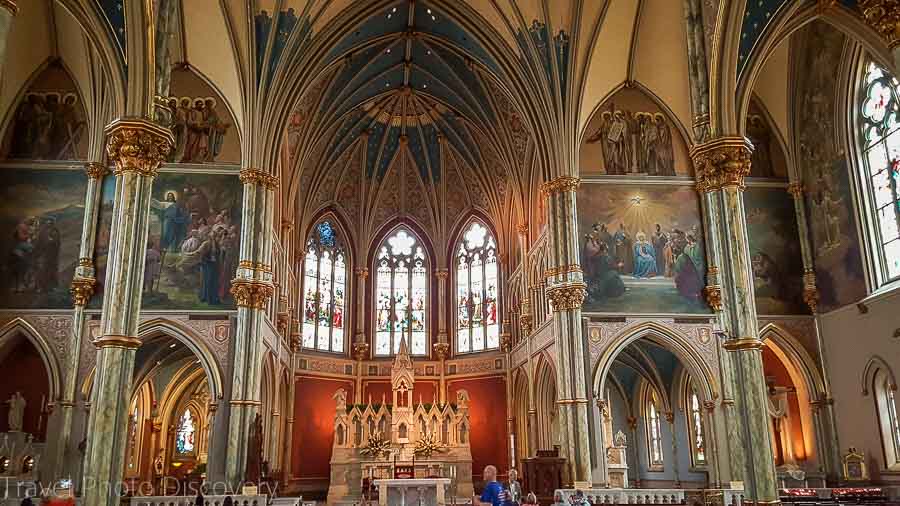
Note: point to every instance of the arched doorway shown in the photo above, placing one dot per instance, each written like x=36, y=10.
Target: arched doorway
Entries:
x=25, y=375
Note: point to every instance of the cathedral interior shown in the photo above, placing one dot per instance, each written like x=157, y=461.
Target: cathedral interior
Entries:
x=642, y=249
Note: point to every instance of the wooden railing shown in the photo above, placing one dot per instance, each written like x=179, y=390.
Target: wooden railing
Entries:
x=215, y=500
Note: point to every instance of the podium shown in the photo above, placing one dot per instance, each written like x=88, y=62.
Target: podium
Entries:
x=543, y=474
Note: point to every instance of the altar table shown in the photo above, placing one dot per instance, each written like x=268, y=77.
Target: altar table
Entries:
x=412, y=492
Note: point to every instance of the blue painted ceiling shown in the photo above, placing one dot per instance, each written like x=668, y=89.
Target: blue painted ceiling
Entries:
x=408, y=73
x=114, y=14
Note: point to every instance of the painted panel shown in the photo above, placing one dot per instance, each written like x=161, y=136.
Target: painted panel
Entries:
x=41, y=214
x=774, y=251
x=193, y=246
x=641, y=248
x=202, y=123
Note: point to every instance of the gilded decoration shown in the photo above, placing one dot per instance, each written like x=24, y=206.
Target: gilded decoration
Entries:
x=441, y=350
x=795, y=189
x=138, y=145
x=743, y=344
x=522, y=229
x=85, y=262
x=117, y=341
x=255, y=266
x=505, y=342
x=713, y=294
x=251, y=294
x=360, y=350
x=9, y=5
x=884, y=17
x=721, y=163
x=560, y=185
x=567, y=296
x=562, y=270
x=82, y=290
x=259, y=177
x=95, y=170
x=441, y=274
x=810, y=291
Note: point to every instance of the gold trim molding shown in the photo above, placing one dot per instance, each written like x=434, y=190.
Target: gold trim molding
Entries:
x=743, y=344
x=721, y=163
x=82, y=289
x=138, y=145
x=255, y=266
x=560, y=185
x=562, y=270
x=10, y=5
x=117, y=341
x=567, y=296
x=95, y=170
x=259, y=177
x=251, y=293
x=884, y=17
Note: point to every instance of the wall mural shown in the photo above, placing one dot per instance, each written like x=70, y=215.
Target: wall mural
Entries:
x=631, y=135
x=768, y=159
x=774, y=251
x=41, y=213
x=829, y=200
x=641, y=248
x=201, y=122
x=193, y=246
x=49, y=122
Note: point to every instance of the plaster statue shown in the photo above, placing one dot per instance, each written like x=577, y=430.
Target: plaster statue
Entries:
x=340, y=398
x=462, y=399
x=16, y=411
x=621, y=439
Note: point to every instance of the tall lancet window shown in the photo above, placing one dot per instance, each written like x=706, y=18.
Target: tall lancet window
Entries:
x=880, y=114
x=325, y=290
x=654, y=431
x=695, y=428
x=477, y=278
x=401, y=294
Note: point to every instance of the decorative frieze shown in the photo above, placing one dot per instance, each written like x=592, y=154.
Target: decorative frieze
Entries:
x=82, y=290
x=884, y=17
x=721, y=163
x=567, y=296
x=138, y=145
x=251, y=294
x=259, y=178
x=95, y=170
x=560, y=185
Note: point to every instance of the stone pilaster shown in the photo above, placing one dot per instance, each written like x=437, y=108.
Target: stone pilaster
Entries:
x=137, y=147
x=697, y=68
x=884, y=17
x=720, y=167
x=8, y=11
x=252, y=289
x=566, y=292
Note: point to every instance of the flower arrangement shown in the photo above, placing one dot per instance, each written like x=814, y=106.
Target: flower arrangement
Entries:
x=428, y=445
x=375, y=446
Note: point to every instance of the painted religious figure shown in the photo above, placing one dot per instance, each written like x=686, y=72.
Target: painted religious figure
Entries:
x=653, y=260
x=200, y=121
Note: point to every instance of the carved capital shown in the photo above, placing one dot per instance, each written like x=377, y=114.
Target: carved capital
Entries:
x=522, y=228
x=85, y=262
x=632, y=422
x=441, y=350
x=441, y=274
x=568, y=296
x=721, y=163
x=743, y=344
x=138, y=145
x=82, y=289
x=709, y=405
x=9, y=5
x=362, y=273
x=560, y=185
x=360, y=350
x=251, y=294
x=525, y=323
x=95, y=170
x=713, y=294
x=505, y=342
x=795, y=189
x=670, y=416
x=884, y=17
x=259, y=178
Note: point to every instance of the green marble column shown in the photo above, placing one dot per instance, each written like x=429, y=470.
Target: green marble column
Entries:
x=721, y=166
x=566, y=291
x=138, y=147
x=82, y=290
x=252, y=288
x=8, y=11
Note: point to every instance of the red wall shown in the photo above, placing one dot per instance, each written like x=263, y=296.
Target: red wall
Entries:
x=23, y=371
x=426, y=390
x=487, y=416
x=314, y=425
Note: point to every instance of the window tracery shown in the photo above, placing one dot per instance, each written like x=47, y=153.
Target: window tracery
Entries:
x=401, y=294
x=477, y=281
x=325, y=282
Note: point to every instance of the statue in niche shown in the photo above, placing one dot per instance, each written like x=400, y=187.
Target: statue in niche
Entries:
x=17, y=405
x=340, y=398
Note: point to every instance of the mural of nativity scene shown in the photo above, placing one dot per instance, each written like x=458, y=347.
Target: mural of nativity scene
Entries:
x=431, y=252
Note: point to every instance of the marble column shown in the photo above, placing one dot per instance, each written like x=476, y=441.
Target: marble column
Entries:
x=566, y=291
x=137, y=147
x=8, y=11
x=82, y=290
x=884, y=17
x=720, y=166
x=252, y=289
x=360, y=344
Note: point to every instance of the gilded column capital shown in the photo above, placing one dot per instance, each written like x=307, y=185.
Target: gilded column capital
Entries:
x=522, y=228
x=810, y=291
x=259, y=178
x=884, y=17
x=441, y=350
x=567, y=296
x=9, y=5
x=505, y=342
x=713, y=294
x=560, y=185
x=795, y=189
x=721, y=163
x=441, y=274
x=95, y=170
x=251, y=293
x=362, y=273
x=82, y=289
x=138, y=145
x=360, y=350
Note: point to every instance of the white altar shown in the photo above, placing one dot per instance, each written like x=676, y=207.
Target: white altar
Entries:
x=413, y=492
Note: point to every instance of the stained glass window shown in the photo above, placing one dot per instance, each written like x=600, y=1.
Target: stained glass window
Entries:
x=325, y=290
x=695, y=424
x=891, y=402
x=401, y=294
x=880, y=113
x=477, y=324
x=654, y=433
x=184, y=437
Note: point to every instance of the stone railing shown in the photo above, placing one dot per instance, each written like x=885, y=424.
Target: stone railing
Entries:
x=212, y=500
x=629, y=496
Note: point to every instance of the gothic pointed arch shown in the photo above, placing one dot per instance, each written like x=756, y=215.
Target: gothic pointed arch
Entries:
x=326, y=285
x=476, y=277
